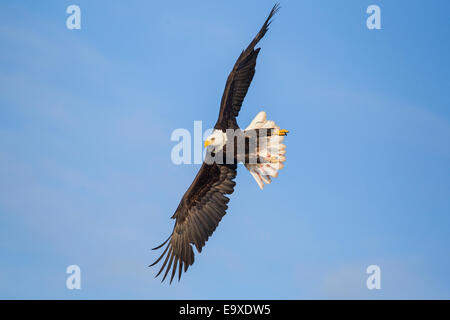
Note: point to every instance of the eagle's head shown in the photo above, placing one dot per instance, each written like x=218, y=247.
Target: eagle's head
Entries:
x=216, y=140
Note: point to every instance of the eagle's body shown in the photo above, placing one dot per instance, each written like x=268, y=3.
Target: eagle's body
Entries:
x=259, y=147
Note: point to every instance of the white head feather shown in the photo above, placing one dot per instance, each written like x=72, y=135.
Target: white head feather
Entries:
x=216, y=140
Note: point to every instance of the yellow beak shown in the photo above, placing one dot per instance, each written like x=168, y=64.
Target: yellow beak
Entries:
x=207, y=143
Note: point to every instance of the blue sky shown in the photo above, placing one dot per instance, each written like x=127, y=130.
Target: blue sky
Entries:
x=86, y=176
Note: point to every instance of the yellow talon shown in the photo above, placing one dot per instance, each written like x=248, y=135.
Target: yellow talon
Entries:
x=283, y=132
x=274, y=159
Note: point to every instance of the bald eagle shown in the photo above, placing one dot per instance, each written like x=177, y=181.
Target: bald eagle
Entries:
x=259, y=147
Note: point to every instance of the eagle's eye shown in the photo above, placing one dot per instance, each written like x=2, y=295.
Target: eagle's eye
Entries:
x=212, y=139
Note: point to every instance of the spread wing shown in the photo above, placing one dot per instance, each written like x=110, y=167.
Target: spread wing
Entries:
x=197, y=216
x=239, y=80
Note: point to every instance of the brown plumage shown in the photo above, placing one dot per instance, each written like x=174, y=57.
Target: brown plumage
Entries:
x=205, y=202
x=239, y=80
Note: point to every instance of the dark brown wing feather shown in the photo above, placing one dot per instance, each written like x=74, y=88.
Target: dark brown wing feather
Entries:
x=239, y=80
x=197, y=216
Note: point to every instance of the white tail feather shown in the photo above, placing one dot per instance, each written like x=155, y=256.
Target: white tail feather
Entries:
x=271, y=150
